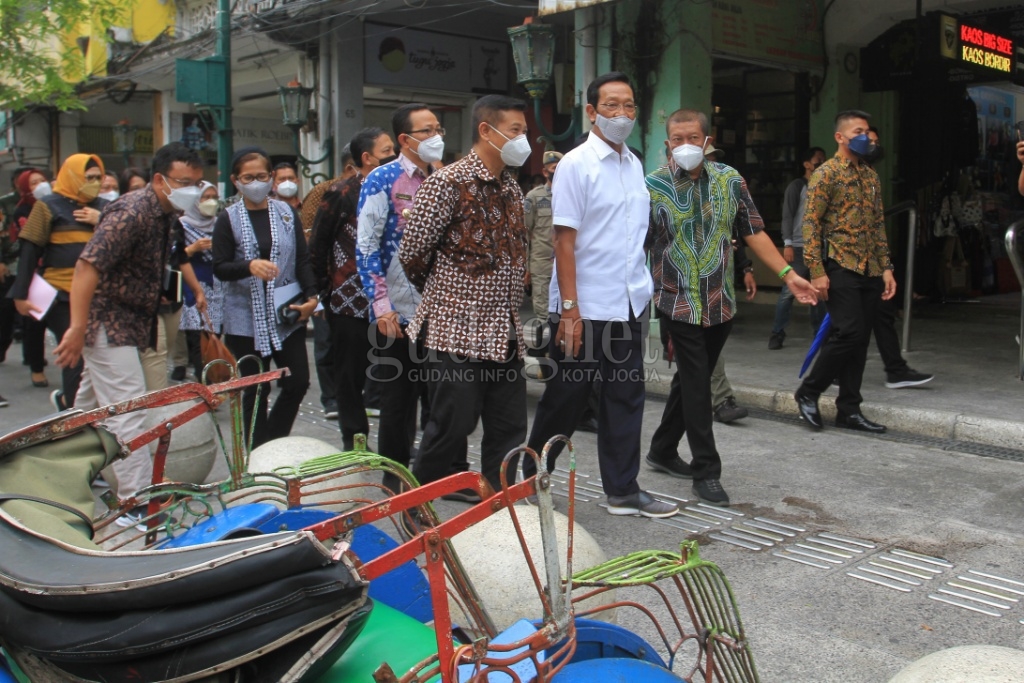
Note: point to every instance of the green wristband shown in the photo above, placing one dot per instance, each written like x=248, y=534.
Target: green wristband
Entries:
x=784, y=272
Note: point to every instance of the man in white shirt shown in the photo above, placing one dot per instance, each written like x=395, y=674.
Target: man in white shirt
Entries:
x=599, y=294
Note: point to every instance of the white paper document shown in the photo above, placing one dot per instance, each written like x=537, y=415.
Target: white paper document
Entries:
x=41, y=295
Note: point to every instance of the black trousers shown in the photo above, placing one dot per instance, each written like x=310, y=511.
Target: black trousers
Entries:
x=853, y=300
x=57, y=320
x=612, y=357
x=464, y=391
x=278, y=422
x=350, y=344
x=8, y=314
x=886, y=337
x=399, y=394
x=688, y=409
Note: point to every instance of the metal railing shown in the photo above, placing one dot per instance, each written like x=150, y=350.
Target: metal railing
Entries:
x=1015, y=250
x=910, y=206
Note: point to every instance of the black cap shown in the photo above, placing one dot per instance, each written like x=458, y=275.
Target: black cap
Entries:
x=246, y=151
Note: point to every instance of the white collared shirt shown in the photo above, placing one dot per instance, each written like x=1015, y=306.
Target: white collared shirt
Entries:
x=602, y=195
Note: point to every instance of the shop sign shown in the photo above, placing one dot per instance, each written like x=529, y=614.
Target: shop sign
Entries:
x=780, y=31
x=411, y=58
x=972, y=45
x=986, y=49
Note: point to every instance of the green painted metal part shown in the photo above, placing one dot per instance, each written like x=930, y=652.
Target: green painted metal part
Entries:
x=708, y=596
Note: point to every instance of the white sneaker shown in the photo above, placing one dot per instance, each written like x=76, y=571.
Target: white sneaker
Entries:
x=132, y=518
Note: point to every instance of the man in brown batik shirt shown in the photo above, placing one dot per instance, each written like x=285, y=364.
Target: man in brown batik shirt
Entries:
x=465, y=248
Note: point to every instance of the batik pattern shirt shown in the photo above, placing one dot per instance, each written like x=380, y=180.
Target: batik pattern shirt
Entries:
x=691, y=232
x=130, y=248
x=844, y=220
x=384, y=202
x=465, y=246
x=333, y=250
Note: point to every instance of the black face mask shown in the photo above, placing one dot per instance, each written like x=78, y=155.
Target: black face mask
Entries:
x=387, y=160
x=874, y=154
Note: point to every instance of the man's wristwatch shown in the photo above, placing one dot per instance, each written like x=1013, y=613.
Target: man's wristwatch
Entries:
x=569, y=304
x=748, y=269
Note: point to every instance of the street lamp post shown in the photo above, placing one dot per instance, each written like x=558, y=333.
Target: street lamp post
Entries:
x=533, y=48
x=295, y=111
x=124, y=140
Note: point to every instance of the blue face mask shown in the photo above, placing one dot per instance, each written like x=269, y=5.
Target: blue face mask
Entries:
x=861, y=145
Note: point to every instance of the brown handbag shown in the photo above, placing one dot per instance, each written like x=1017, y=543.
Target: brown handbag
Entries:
x=212, y=348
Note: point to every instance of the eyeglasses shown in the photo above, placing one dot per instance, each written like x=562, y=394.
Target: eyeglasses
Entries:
x=260, y=177
x=188, y=182
x=615, y=107
x=429, y=132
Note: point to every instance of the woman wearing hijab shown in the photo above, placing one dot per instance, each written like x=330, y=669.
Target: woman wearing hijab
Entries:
x=29, y=184
x=260, y=256
x=198, y=226
x=56, y=230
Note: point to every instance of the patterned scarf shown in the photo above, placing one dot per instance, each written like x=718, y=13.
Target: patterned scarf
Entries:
x=264, y=316
x=193, y=235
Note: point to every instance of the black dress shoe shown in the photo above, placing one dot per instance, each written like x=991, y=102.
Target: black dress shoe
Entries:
x=588, y=425
x=808, y=408
x=859, y=423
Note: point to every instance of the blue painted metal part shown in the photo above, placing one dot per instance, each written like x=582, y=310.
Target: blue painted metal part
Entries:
x=297, y=518
x=405, y=589
x=220, y=526
x=601, y=640
x=525, y=669
x=615, y=671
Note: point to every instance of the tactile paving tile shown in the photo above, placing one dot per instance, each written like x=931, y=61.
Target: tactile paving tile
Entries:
x=982, y=592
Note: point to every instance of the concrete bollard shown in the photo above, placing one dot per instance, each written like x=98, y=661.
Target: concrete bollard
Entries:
x=493, y=558
x=192, y=452
x=973, y=663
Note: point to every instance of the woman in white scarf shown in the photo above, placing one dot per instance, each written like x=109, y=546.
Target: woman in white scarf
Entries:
x=197, y=224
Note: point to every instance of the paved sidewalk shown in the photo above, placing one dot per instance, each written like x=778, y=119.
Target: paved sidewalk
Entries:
x=969, y=347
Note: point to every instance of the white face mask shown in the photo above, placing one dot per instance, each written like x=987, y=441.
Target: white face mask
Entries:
x=42, y=189
x=209, y=207
x=516, y=150
x=255, y=191
x=689, y=156
x=431, y=149
x=287, y=189
x=616, y=129
x=184, y=198
x=110, y=196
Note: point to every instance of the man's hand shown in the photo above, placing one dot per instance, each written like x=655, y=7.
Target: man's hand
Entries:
x=569, y=336
x=25, y=307
x=788, y=254
x=305, y=310
x=3, y=271
x=389, y=326
x=804, y=291
x=820, y=285
x=890, y=285
x=263, y=269
x=750, y=284
x=69, y=351
x=527, y=279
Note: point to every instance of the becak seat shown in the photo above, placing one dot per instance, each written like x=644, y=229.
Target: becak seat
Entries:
x=271, y=608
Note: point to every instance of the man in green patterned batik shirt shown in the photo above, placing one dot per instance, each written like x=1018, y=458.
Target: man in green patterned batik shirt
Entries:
x=696, y=204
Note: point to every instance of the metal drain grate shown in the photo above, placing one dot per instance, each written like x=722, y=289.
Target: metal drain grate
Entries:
x=952, y=445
